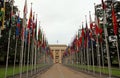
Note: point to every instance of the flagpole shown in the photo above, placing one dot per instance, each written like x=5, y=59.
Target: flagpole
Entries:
x=87, y=57
x=0, y=33
x=93, y=57
x=37, y=52
x=114, y=20
x=32, y=55
x=87, y=44
x=108, y=56
x=107, y=46
x=35, y=60
x=15, y=56
x=84, y=58
x=8, y=38
x=70, y=57
x=81, y=58
x=25, y=54
x=91, y=42
x=7, y=53
x=28, y=55
x=102, y=55
x=32, y=45
x=35, y=46
x=76, y=59
x=25, y=47
x=3, y=20
x=79, y=48
x=98, y=54
x=21, y=57
x=98, y=34
x=118, y=51
x=77, y=51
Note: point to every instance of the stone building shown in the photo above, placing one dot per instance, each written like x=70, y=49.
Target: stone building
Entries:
x=57, y=51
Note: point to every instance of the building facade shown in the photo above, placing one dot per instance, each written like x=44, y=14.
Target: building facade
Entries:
x=57, y=51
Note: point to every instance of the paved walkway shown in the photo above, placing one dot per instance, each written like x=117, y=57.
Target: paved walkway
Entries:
x=60, y=71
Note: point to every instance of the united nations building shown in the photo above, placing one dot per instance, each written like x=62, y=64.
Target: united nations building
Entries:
x=57, y=51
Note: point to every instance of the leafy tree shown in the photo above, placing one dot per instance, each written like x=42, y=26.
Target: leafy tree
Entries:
x=112, y=47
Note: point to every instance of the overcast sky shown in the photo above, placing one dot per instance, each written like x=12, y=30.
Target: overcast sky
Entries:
x=60, y=19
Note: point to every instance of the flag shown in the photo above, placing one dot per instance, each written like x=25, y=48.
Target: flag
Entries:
x=105, y=24
x=22, y=33
x=26, y=36
x=39, y=37
x=86, y=29
x=29, y=37
x=33, y=26
x=80, y=41
x=86, y=35
x=2, y=3
x=103, y=5
x=89, y=38
x=30, y=20
x=2, y=14
x=23, y=30
x=18, y=26
x=91, y=23
x=114, y=20
x=25, y=8
x=98, y=29
x=36, y=28
x=18, y=21
x=83, y=35
x=43, y=42
x=76, y=43
x=96, y=23
x=25, y=11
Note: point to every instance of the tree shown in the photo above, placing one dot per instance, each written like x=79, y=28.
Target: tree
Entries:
x=111, y=36
x=4, y=38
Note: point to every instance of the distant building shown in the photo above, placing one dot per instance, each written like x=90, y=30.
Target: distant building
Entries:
x=57, y=51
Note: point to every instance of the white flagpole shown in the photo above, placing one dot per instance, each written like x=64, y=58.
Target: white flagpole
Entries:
x=84, y=58
x=98, y=46
x=81, y=53
x=107, y=46
x=21, y=54
x=35, y=40
x=22, y=40
x=7, y=53
x=0, y=33
x=102, y=55
x=32, y=55
x=8, y=39
x=28, y=54
x=15, y=56
x=77, y=52
x=25, y=48
x=116, y=40
x=118, y=52
x=93, y=58
x=35, y=59
x=98, y=54
x=87, y=46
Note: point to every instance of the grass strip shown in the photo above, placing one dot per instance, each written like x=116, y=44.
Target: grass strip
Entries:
x=115, y=71
x=17, y=70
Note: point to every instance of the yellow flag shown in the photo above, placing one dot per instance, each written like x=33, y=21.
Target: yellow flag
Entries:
x=2, y=15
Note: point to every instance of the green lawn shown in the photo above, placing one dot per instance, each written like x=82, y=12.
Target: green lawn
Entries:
x=10, y=70
x=115, y=71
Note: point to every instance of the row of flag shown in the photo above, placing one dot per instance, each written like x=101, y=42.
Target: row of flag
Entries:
x=87, y=46
x=23, y=27
x=28, y=32
x=86, y=35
